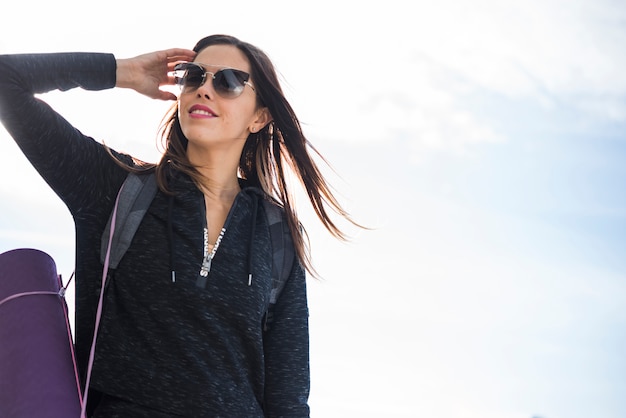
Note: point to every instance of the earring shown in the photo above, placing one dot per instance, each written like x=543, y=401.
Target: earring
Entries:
x=252, y=130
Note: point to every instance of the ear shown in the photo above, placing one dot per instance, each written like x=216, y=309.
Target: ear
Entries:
x=262, y=118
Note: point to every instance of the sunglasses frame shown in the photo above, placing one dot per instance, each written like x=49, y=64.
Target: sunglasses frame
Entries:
x=184, y=66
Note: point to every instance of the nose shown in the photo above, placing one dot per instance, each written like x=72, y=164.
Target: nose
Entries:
x=206, y=89
x=203, y=93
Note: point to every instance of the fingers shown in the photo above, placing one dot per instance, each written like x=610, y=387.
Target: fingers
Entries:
x=171, y=65
x=174, y=57
x=170, y=80
x=179, y=54
x=166, y=95
x=146, y=73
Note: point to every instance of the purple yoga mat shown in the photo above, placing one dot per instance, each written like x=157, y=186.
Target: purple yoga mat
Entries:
x=37, y=377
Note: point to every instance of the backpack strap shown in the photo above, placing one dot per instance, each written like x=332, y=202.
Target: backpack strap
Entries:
x=283, y=253
x=135, y=197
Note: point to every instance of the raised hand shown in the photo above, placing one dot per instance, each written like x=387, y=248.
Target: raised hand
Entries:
x=148, y=72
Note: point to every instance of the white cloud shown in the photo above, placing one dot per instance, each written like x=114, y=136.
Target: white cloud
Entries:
x=563, y=45
x=544, y=50
x=416, y=101
x=412, y=79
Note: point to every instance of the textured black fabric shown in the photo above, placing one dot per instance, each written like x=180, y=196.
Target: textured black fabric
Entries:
x=166, y=346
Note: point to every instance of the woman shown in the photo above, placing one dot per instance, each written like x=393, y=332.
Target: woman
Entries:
x=170, y=344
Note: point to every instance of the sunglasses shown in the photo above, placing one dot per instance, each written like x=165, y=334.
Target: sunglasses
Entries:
x=227, y=82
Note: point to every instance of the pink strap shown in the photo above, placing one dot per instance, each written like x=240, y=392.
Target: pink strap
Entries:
x=105, y=271
x=69, y=335
x=37, y=292
x=61, y=293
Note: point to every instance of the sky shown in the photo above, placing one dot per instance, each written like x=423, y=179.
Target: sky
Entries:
x=483, y=142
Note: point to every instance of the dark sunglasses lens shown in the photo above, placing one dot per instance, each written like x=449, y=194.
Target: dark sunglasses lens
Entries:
x=188, y=76
x=194, y=77
x=229, y=83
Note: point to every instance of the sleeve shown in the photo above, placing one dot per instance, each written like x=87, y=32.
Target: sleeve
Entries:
x=70, y=162
x=286, y=345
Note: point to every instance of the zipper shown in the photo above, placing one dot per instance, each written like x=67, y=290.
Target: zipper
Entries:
x=207, y=258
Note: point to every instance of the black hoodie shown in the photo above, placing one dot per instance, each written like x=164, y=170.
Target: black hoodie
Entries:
x=166, y=345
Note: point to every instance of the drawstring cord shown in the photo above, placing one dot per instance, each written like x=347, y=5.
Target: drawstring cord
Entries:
x=209, y=255
x=170, y=236
x=255, y=206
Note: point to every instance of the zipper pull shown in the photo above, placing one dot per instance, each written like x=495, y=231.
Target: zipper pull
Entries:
x=204, y=273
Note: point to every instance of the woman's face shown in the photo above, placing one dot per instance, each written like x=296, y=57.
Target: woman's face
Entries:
x=209, y=120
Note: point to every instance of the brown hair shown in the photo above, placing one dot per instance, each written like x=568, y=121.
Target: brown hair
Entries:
x=267, y=154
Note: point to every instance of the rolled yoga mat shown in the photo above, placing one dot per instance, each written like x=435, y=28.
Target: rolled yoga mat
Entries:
x=37, y=372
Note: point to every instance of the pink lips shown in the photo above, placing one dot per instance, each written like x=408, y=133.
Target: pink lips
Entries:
x=201, y=112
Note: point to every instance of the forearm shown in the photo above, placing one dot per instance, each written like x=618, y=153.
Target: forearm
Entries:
x=22, y=76
x=40, y=73
x=61, y=153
